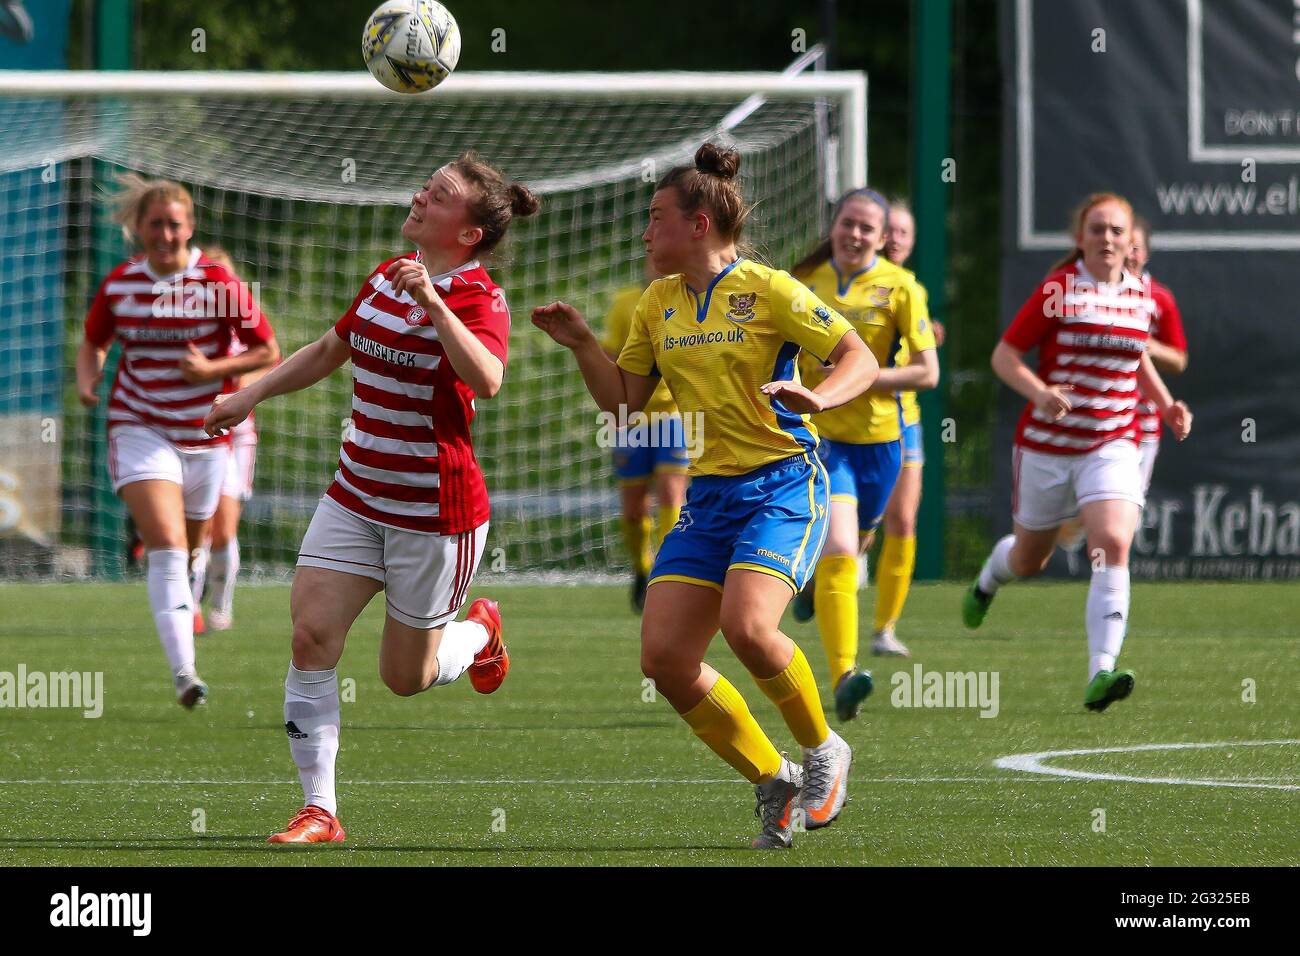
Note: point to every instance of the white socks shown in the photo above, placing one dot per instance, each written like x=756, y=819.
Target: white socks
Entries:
x=223, y=568
x=311, y=718
x=1107, y=618
x=461, y=640
x=172, y=605
x=997, y=571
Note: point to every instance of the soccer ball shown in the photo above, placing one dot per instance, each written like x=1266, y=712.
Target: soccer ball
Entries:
x=411, y=45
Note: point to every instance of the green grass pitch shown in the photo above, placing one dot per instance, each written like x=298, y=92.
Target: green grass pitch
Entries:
x=567, y=764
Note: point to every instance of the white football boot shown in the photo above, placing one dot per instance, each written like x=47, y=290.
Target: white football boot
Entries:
x=885, y=644
x=825, y=781
x=778, y=802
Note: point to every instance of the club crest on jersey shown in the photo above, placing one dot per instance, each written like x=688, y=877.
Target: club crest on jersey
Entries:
x=742, y=306
x=416, y=316
x=822, y=316
x=880, y=295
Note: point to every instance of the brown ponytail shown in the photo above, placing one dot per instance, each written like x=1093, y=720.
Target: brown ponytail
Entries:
x=711, y=185
x=495, y=203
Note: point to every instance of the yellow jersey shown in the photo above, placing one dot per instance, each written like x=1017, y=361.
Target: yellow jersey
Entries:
x=887, y=308
x=617, y=325
x=714, y=348
x=911, y=410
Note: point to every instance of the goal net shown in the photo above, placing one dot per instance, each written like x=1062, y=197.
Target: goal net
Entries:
x=304, y=179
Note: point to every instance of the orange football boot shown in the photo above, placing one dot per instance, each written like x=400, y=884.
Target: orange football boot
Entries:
x=493, y=662
x=311, y=824
x=199, y=624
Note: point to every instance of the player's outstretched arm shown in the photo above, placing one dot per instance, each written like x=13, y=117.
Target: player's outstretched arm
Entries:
x=302, y=369
x=920, y=373
x=610, y=385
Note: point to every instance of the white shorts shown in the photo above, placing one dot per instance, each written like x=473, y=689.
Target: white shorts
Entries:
x=238, y=483
x=1047, y=490
x=1147, y=453
x=426, y=577
x=136, y=453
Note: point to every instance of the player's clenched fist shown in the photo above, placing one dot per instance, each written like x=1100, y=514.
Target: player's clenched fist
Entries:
x=563, y=323
x=227, y=412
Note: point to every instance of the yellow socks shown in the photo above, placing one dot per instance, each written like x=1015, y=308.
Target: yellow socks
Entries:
x=636, y=535
x=836, y=597
x=794, y=691
x=723, y=722
x=893, y=578
x=666, y=518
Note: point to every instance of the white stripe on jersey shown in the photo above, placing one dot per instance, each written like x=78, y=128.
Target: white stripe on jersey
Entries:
x=391, y=415
x=1102, y=403
x=150, y=410
x=1059, y=439
x=1094, y=382
x=1100, y=361
x=1136, y=322
x=393, y=323
x=408, y=478
x=173, y=433
x=1085, y=421
x=386, y=384
x=392, y=446
x=409, y=509
x=177, y=393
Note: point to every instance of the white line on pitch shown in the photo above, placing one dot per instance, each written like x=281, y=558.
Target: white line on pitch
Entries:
x=484, y=782
x=1034, y=763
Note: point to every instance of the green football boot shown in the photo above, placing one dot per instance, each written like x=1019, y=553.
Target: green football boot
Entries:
x=974, y=605
x=1107, y=687
x=850, y=691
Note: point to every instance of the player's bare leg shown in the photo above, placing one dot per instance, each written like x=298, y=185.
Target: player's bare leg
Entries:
x=1022, y=554
x=158, y=509
x=323, y=605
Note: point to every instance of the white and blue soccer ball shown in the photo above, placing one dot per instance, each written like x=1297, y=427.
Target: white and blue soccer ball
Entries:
x=411, y=45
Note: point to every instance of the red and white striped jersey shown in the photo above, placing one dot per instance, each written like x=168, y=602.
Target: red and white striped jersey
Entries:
x=407, y=460
x=1089, y=335
x=1166, y=327
x=156, y=319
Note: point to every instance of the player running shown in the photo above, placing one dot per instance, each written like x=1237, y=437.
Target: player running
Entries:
x=175, y=313
x=1076, y=446
x=897, y=559
x=724, y=333
x=215, y=566
x=407, y=512
x=655, y=450
x=861, y=440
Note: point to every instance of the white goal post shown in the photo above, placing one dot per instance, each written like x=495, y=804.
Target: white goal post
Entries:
x=303, y=178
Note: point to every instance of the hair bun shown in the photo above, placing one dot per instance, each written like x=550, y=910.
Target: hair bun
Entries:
x=717, y=161
x=522, y=200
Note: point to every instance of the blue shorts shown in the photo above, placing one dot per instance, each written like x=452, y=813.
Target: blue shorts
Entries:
x=913, y=446
x=863, y=473
x=773, y=520
x=655, y=446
